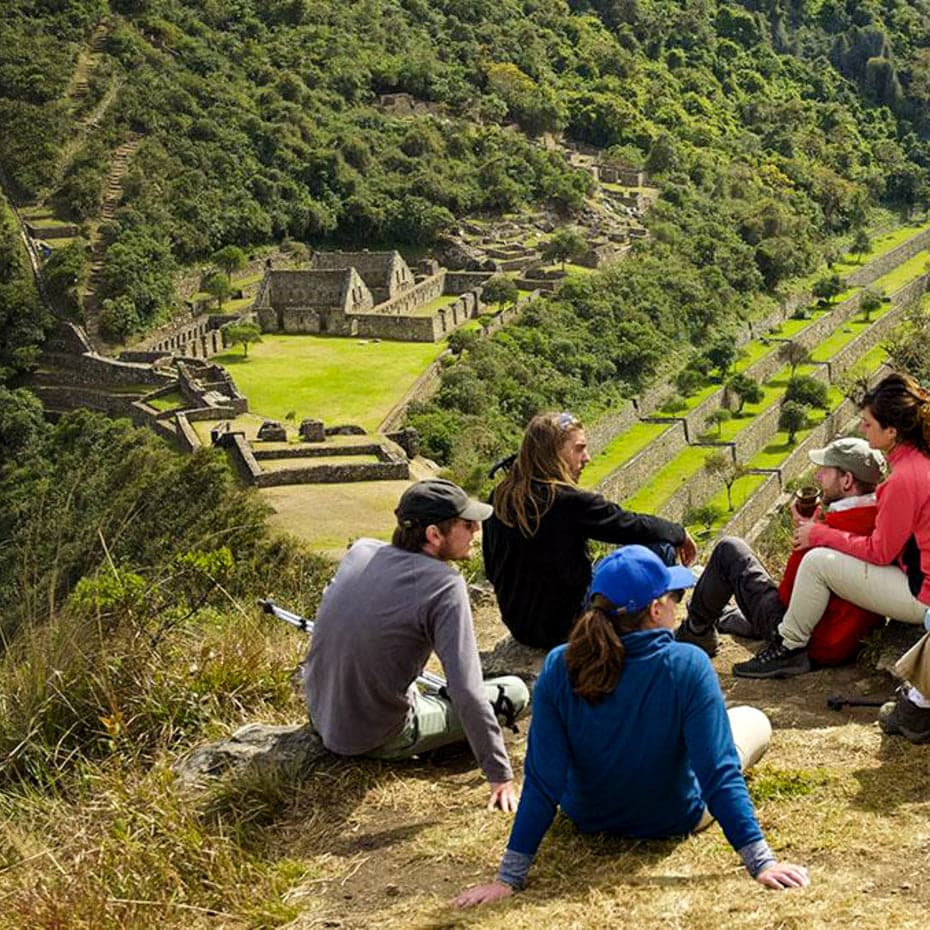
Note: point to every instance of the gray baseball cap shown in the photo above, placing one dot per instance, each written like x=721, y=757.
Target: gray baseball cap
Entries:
x=435, y=500
x=853, y=455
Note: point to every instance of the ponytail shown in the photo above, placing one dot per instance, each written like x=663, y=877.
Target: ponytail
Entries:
x=595, y=652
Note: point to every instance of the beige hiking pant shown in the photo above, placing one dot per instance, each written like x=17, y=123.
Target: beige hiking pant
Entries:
x=879, y=588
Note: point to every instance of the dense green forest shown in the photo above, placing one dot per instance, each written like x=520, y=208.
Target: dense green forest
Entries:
x=772, y=123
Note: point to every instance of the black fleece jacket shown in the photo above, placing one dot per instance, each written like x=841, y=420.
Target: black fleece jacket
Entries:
x=541, y=581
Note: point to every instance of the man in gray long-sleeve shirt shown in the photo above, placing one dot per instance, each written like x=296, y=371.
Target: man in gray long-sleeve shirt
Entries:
x=387, y=609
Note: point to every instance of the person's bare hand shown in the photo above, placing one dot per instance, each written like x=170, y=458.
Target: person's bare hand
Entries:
x=503, y=796
x=784, y=875
x=483, y=894
x=802, y=535
x=687, y=551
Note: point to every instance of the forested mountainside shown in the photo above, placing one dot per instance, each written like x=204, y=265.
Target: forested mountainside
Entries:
x=768, y=124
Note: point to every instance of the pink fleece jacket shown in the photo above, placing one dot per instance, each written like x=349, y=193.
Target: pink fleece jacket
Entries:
x=903, y=511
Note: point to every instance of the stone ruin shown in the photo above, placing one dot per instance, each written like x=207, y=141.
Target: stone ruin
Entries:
x=366, y=294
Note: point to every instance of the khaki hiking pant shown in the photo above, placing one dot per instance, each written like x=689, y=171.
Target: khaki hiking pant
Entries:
x=883, y=589
x=433, y=721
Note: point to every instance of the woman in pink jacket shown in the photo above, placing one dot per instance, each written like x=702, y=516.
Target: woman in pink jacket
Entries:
x=887, y=571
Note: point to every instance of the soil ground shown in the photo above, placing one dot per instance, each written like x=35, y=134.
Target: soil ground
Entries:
x=391, y=845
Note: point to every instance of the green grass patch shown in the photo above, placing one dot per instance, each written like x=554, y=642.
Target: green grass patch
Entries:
x=336, y=380
x=667, y=480
x=845, y=334
x=167, y=401
x=442, y=301
x=619, y=450
x=913, y=268
x=771, y=784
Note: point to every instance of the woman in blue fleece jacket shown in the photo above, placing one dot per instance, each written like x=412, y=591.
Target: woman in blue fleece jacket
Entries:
x=630, y=734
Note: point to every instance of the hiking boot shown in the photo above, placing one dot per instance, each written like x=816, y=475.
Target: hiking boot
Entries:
x=901, y=717
x=776, y=660
x=708, y=640
x=733, y=621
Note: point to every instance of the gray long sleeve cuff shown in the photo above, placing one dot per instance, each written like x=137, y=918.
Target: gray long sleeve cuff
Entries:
x=756, y=856
x=514, y=868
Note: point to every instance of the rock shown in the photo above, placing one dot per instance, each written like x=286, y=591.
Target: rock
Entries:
x=897, y=638
x=312, y=430
x=294, y=747
x=509, y=657
x=272, y=431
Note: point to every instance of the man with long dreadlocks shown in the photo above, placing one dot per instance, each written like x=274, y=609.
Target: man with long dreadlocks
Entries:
x=536, y=542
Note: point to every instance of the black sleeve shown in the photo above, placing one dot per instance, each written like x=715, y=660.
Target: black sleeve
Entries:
x=608, y=522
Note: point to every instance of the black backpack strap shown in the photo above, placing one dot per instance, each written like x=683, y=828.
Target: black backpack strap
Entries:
x=502, y=706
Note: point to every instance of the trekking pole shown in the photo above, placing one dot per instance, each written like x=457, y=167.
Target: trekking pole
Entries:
x=430, y=682
x=838, y=702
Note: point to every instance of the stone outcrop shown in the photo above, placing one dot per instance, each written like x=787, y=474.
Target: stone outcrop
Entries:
x=294, y=748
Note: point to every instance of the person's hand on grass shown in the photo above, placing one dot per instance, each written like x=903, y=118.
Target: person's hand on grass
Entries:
x=483, y=894
x=782, y=875
x=503, y=796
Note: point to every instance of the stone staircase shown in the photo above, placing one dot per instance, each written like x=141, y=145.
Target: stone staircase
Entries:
x=119, y=167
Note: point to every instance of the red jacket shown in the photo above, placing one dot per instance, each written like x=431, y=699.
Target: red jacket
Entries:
x=903, y=511
x=843, y=625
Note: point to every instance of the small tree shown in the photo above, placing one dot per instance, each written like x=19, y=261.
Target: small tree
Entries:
x=219, y=287
x=871, y=301
x=861, y=243
x=808, y=391
x=793, y=354
x=718, y=418
x=722, y=466
x=243, y=333
x=793, y=417
x=704, y=516
x=688, y=381
x=827, y=287
x=745, y=390
x=499, y=290
x=229, y=259
x=563, y=245
x=722, y=354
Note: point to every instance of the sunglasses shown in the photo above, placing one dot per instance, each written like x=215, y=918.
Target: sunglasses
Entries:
x=567, y=420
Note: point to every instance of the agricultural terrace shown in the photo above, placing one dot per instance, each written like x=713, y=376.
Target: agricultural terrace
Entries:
x=773, y=454
x=629, y=443
x=336, y=380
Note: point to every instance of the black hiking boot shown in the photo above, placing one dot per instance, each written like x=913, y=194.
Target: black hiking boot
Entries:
x=901, y=717
x=775, y=660
x=733, y=621
x=707, y=640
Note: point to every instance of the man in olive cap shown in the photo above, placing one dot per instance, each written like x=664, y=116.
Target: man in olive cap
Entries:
x=848, y=473
x=387, y=609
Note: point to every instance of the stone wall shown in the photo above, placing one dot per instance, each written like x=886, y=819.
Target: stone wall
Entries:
x=890, y=260
x=107, y=372
x=187, y=435
x=414, y=296
x=305, y=451
x=421, y=390
x=694, y=490
x=623, y=481
x=335, y=474
x=611, y=424
x=459, y=282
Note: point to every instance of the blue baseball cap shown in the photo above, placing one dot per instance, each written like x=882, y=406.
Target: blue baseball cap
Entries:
x=632, y=577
